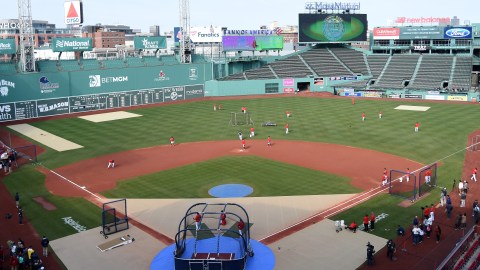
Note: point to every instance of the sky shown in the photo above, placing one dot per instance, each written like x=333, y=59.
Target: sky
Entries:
x=244, y=14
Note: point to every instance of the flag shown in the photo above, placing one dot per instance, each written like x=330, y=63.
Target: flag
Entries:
x=278, y=31
x=212, y=30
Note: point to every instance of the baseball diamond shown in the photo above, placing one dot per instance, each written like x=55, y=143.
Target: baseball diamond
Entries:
x=334, y=143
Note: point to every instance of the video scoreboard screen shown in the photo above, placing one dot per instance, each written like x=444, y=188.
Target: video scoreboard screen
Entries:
x=332, y=27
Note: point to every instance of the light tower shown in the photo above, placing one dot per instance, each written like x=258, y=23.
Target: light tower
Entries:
x=185, y=43
x=26, y=42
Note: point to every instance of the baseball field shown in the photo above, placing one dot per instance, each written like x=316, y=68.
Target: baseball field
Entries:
x=444, y=129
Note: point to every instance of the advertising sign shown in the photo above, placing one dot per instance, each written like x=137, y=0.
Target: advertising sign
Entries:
x=288, y=90
x=420, y=48
x=177, y=34
x=212, y=34
x=71, y=44
x=8, y=46
x=73, y=12
x=423, y=20
x=288, y=82
x=194, y=91
x=426, y=32
x=265, y=43
x=332, y=27
x=386, y=33
x=318, y=81
x=55, y=106
x=434, y=97
x=238, y=43
x=413, y=96
x=458, y=98
x=7, y=111
x=174, y=93
x=458, y=32
x=149, y=43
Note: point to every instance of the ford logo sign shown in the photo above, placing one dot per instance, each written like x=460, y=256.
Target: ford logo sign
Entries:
x=458, y=32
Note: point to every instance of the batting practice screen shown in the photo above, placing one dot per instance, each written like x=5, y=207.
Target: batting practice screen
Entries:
x=427, y=179
x=403, y=184
x=332, y=27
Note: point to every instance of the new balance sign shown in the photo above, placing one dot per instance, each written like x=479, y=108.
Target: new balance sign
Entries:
x=71, y=44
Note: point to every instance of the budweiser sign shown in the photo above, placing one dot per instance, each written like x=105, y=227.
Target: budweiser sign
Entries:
x=386, y=33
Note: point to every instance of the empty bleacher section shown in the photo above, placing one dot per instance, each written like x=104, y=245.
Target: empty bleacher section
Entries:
x=377, y=63
x=324, y=63
x=260, y=74
x=400, y=68
x=291, y=67
x=462, y=74
x=352, y=59
x=433, y=70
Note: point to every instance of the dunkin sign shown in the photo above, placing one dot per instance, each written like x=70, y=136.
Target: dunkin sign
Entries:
x=386, y=33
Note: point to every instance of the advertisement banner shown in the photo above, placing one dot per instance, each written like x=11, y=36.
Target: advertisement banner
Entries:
x=47, y=107
x=8, y=46
x=71, y=44
x=265, y=43
x=288, y=82
x=372, y=94
x=458, y=32
x=7, y=111
x=420, y=48
x=422, y=20
x=288, y=90
x=177, y=34
x=318, y=81
x=332, y=27
x=434, y=97
x=458, y=98
x=426, y=32
x=73, y=12
x=238, y=43
x=386, y=33
x=212, y=34
x=174, y=93
x=413, y=96
x=194, y=91
x=145, y=43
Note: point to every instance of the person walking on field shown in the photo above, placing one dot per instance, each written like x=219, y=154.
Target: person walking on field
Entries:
x=365, y=223
x=380, y=115
x=252, y=132
x=269, y=141
x=474, y=175
x=286, y=128
x=244, y=144
x=17, y=199
x=44, y=242
x=443, y=197
x=172, y=141
x=372, y=221
x=363, y=116
x=417, y=126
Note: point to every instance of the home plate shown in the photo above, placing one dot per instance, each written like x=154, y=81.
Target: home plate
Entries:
x=412, y=108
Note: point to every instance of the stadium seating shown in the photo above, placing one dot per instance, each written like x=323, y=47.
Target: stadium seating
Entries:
x=259, y=74
x=462, y=74
x=434, y=69
x=400, y=68
x=324, y=63
x=291, y=67
x=353, y=59
x=377, y=63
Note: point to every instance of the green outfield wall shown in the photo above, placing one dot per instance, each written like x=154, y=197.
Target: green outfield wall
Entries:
x=32, y=95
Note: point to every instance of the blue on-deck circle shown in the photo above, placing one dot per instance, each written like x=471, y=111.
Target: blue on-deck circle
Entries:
x=230, y=191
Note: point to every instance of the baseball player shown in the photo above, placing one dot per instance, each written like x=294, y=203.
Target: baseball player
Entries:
x=244, y=144
x=111, y=163
x=223, y=218
x=198, y=221
x=252, y=132
x=244, y=109
x=363, y=116
x=474, y=175
x=240, y=135
x=428, y=175
x=172, y=141
x=269, y=141
x=407, y=176
x=384, y=180
x=380, y=115
x=417, y=126
x=286, y=128
x=240, y=226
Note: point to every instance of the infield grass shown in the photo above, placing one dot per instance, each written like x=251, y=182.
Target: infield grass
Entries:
x=443, y=133
x=266, y=177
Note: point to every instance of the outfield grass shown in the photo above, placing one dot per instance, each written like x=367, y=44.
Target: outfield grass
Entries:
x=443, y=131
x=266, y=177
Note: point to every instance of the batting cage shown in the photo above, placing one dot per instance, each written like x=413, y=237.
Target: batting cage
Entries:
x=403, y=184
x=17, y=155
x=240, y=119
x=427, y=179
x=213, y=236
x=114, y=217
